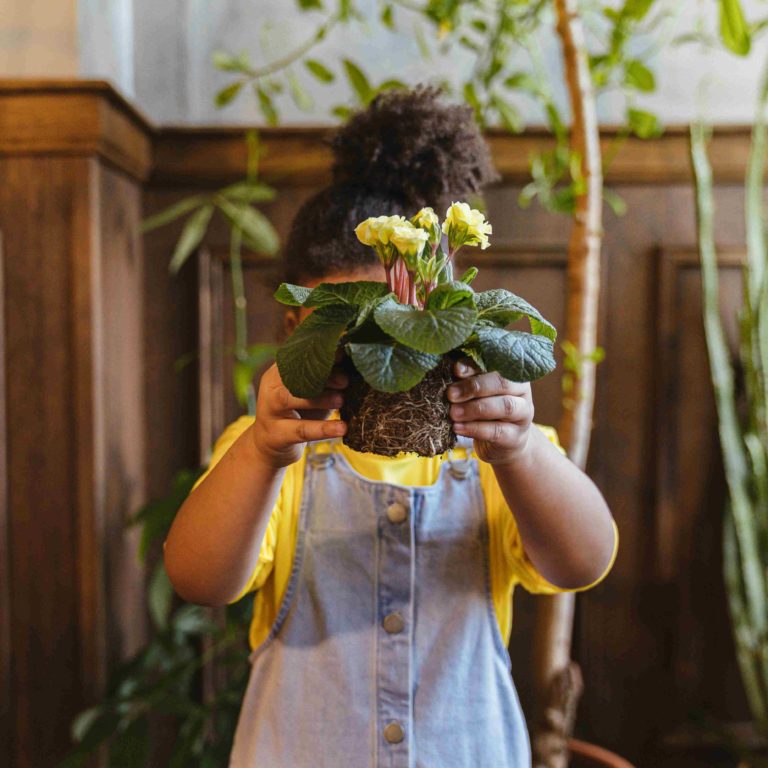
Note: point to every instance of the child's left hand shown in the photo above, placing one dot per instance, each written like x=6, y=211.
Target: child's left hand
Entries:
x=496, y=412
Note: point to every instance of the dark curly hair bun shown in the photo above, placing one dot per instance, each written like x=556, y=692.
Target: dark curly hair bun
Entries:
x=408, y=144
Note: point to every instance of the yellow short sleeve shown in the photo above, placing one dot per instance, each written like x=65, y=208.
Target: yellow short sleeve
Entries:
x=523, y=570
x=266, y=559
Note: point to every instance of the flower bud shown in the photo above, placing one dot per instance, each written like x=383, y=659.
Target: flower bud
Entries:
x=466, y=226
x=427, y=220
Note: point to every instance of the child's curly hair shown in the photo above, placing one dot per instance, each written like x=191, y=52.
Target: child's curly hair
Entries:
x=406, y=150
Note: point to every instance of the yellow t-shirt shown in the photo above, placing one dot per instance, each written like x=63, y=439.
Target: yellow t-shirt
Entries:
x=509, y=563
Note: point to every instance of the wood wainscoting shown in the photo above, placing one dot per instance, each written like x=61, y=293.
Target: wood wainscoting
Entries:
x=95, y=418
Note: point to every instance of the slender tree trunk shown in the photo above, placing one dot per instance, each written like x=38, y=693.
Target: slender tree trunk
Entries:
x=558, y=679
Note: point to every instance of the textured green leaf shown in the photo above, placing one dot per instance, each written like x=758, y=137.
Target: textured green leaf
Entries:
x=639, y=76
x=320, y=71
x=473, y=352
x=501, y=307
x=191, y=236
x=391, y=367
x=429, y=330
x=293, y=295
x=516, y=355
x=354, y=293
x=733, y=27
x=226, y=95
x=306, y=358
x=453, y=294
x=358, y=81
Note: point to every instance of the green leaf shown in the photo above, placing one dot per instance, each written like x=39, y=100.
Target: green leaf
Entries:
x=523, y=81
x=191, y=236
x=160, y=597
x=255, y=225
x=510, y=117
x=355, y=293
x=387, y=17
x=171, y=213
x=428, y=330
x=470, y=96
x=248, y=192
x=516, y=355
x=300, y=96
x=266, y=105
x=227, y=94
x=320, y=71
x=615, y=201
x=342, y=112
x=453, y=294
x=131, y=747
x=501, y=307
x=229, y=63
x=391, y=367
x=733, y=27
x=473, y=352
x=643, y=124
x=637, y=75
x=308, y=5
x=83, y=722
x=469, y=275
x=637, y=9
x=293, y=295
x=306, y=358
x=358, y=81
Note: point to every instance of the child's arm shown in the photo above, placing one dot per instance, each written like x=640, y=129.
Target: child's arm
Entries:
x=214, y=542
x=563, y=519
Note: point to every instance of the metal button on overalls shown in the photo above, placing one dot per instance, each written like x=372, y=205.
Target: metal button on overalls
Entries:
x=397, y=512
x=394, y=623
x=394, y=733
x=386, y=651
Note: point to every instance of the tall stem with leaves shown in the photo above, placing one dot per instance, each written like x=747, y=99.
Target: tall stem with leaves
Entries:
x=557, y=677
x=744, y=445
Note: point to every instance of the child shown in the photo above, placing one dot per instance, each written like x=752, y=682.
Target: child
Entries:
x=383, y=586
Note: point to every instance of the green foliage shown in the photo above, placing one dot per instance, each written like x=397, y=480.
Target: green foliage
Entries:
x=163, y=678
x=734, y=30
x=742, y=415
x=393, y=345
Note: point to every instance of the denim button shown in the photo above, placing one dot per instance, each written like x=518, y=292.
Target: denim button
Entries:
x=394, y=623
x=396, y=512
x=394, y=733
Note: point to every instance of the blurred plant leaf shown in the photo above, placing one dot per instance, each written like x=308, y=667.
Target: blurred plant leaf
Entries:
x=191, y=236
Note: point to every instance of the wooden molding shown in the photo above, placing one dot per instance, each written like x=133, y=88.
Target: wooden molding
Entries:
x=76, y=117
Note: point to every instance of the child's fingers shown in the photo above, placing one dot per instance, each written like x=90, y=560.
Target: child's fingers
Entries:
x=292, y=431
x=464, y=367
x=326, y=401
x=499, y=432
x=484, y=385
x=493, y=408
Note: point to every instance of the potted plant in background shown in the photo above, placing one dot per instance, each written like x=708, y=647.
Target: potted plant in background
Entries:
x=402, y=335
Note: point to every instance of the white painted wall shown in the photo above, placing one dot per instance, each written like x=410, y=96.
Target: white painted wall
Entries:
x=158, y=52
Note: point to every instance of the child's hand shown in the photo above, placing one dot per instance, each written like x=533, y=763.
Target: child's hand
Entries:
x=284, y=423
x=496, y=412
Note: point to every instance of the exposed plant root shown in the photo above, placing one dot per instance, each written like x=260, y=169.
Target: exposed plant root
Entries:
x=387, y=423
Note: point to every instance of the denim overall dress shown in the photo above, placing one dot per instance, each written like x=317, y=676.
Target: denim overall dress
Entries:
x=386, y=652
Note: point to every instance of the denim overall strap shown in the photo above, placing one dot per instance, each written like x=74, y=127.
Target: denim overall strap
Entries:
x=386, y=652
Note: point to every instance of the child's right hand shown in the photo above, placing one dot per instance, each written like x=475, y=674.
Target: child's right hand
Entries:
x=284, y=423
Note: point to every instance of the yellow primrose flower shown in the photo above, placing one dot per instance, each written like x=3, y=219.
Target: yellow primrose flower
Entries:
x=409, y=242
x=427, y=220
x=376, y=230
x=466, y=226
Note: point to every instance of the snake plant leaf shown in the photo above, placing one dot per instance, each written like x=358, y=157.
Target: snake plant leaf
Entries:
x=516, y=355
x=306, y=358
x=391, y=367
x=500, y=307
x=427, y=330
